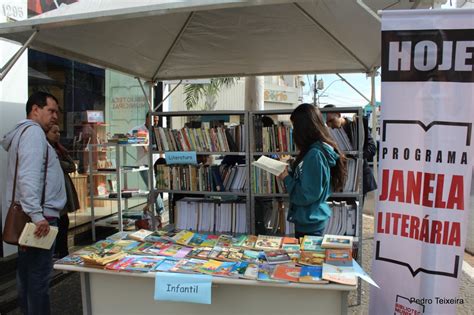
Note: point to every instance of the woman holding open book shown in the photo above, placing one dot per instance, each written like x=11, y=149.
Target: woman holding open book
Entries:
x=319, y=168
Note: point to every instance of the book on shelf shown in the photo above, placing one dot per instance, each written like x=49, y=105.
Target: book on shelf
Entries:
x=29, y=239
x=343, y=220
x=312, y=274
x=203, y=178
x=337, y=241
x=204, y=139
x=270, y=165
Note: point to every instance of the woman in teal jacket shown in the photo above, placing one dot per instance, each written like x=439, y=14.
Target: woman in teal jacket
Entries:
x=319, y=168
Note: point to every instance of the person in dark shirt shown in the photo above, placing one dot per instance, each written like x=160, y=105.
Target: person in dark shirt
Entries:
x=335, y=120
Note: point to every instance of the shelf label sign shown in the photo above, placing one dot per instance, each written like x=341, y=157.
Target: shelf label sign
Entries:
x=180, y=157
x=178, y=287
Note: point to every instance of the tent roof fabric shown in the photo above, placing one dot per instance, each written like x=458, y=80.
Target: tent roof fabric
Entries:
x=189, y=39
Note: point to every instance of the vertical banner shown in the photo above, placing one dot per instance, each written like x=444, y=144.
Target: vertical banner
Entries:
x=426, y=158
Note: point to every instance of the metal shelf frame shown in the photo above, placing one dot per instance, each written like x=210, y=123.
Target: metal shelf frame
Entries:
x=121, y=176
x=246, y=193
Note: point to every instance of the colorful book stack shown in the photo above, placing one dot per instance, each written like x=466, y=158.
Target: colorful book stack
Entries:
x=253, y=257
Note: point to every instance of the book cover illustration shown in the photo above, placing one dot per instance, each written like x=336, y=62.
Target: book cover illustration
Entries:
x=250, y=242
x=183, y=237
x=312, y=243
x=238, y=270
x=290, y=247
x=157, y=247
x=252, y=255
x=70, y=260
x=312, y=274
x=224, y=270
x=224, y=240
x=197, y=240
x=188, y=265
x=142, y=263
x=311, y=258
x=339, y=257
x=290, y=240
x=235, y=254
x=210, y=241
x=140, y=235
x=140, y=249
x=166, y=265
x=200, y=252
x=337, y=241
x=339, y=274
x=209, y=267
x=265, y=272
x=286, y=273
x=118, y=265
x=239, y=241
x=267, y=242
x=251, y=272
x=118, y=236
x=277, y=256
x=175, y=250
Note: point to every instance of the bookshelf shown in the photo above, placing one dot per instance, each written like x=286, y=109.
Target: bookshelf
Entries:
x=251, y=150
x=271, y=137
x=207, y=134
x=119, y=169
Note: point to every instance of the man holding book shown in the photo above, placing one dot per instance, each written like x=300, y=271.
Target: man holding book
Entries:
x=39, y=188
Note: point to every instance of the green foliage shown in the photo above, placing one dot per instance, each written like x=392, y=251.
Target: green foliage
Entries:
x=208, y=92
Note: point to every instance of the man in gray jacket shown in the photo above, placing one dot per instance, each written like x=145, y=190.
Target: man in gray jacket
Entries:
x=35, y=265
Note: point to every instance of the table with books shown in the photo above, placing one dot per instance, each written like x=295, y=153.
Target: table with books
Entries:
x=250, y=274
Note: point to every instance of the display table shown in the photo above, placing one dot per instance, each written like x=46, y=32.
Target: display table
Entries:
x=108, y=292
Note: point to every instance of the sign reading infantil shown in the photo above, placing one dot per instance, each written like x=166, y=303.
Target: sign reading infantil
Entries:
x=426, y=160
x=179, y=287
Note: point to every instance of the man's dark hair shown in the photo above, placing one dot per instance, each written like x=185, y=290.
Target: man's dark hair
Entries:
x=330, y=106
x=39, y=99
x=267, y=121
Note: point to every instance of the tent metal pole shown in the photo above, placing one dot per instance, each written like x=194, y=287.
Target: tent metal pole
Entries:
x=368, y=9
x=341, y=44
x=148, y=100
x=374, y=119
x=169, y=94
x=177, y=38
x=10, y=63
x=353, y=87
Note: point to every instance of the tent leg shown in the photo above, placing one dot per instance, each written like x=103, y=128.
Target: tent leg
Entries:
x=353, y=87
x=10, y=63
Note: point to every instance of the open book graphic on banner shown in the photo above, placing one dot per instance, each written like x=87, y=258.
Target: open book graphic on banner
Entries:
x=270, y=165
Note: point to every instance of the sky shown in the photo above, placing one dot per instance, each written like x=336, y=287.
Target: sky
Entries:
x=338, y=92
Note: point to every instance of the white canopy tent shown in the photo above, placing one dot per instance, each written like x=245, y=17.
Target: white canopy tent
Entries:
x=160, y=40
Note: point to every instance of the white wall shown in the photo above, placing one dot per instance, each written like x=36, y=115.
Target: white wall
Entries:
x=13, y=95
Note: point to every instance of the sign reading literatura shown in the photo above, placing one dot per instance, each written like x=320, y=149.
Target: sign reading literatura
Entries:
x=426, y=160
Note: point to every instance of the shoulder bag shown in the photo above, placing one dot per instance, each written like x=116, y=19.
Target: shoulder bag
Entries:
x=16, y=218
